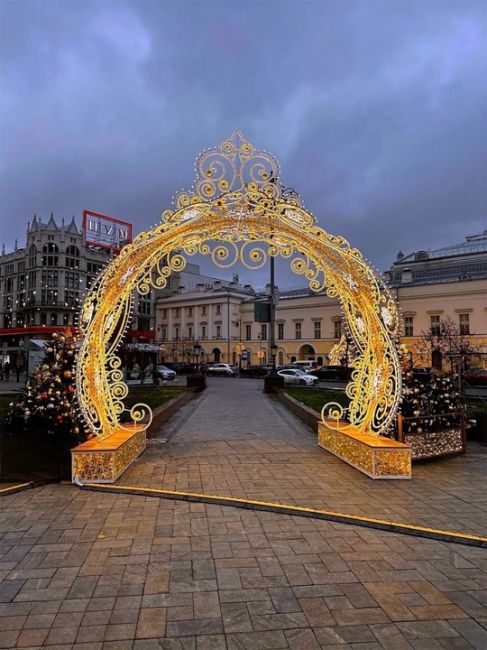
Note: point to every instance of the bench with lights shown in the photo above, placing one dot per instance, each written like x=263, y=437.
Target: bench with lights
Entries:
x=104, y=460
x=375, y=456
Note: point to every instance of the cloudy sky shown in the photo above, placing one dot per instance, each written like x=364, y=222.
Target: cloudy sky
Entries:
x=376, y=110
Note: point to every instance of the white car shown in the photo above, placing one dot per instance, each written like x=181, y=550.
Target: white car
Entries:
x=223, y=369
x=163, y=372
x=297, y=376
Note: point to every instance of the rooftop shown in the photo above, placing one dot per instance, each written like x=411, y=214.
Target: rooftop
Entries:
x=472, y=244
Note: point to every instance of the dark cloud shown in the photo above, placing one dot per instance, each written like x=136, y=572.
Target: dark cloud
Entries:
x=376, y=110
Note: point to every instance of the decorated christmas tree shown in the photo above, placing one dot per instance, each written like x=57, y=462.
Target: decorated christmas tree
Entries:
x=48, y=404
x=424, y=397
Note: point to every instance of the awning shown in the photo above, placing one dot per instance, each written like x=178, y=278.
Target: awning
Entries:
x=40, y=343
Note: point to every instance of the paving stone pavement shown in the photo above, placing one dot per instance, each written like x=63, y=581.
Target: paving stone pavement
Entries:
x=89, y=570
x=235, y=441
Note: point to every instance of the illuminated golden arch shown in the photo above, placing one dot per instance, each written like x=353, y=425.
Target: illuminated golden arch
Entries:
x=238, y=211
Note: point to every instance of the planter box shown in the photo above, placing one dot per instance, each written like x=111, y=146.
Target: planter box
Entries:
x=375, y=456
x=103, y=461
x=436, y=444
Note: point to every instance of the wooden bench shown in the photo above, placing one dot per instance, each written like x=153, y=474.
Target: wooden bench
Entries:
x=376, y=456
x=103, y=461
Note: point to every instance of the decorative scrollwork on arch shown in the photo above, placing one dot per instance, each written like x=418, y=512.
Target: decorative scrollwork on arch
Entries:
x=251, y=219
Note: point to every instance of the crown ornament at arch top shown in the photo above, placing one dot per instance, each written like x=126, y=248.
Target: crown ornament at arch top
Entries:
x=235, y=166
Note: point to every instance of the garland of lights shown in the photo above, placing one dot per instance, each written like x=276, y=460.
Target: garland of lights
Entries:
x=238, y=212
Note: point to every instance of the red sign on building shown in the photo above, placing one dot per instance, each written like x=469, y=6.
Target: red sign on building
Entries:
x=106, y=232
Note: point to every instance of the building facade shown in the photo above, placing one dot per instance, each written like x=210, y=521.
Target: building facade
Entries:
x=430, y=287
x=43, y=284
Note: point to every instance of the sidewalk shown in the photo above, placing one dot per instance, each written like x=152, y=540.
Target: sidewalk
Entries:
x=12, y=386
x=94, y=571
x=234, y=441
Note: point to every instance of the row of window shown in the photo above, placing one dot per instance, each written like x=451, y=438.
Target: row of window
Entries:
x=435, y=324
x=435, y=328
x=190, y=332
x=49, y=297
x=189, y=311
x=45, y=318
x=49, y=279
x=262, y=334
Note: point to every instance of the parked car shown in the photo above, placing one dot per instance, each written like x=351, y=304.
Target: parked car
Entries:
x=476, y=376
x=297, y=376
x=332, y=373
x=306, y=365
x=163, y=372
x=223, y=369
x=255, y=371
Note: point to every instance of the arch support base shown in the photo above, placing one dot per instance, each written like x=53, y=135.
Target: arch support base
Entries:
x=105, y=460
x=375, y=456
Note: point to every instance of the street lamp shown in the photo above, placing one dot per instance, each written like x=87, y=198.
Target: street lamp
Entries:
x=197, y=350
x=273, y=354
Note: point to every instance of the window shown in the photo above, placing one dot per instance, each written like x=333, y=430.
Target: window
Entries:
x=66, y=319
x=435, y=324
x=32, y=279
x=248, y=332
x=218, y=309
x=49, y=297
x=9, y=284
x=218, y=331
x=337, y=329
x=164, y=313
x=317, y=329
x=43, y=318
x=297, y=330
x=203, y=310
x=71, y=298
x=280, y=331
x=72, y=279
x=464, y=322
x=203, y=331
x=164, y=333
x=53, y=318
x=144, y=307
x=176, y=333
x=280, y=357
x=50, y=255
x=177, y=312
x=408, y=326
x=72, y=257
x=190, y=311
x=50, y=279
x=20, y=267
x=32, y=256
x=190, y=332
x=263, y=331
x=92, y=271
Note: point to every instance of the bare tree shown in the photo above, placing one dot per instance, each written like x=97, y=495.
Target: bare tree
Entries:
x=447, y=342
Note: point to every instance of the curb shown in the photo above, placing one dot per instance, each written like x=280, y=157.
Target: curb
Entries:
x=20, y=487
x=297, y=511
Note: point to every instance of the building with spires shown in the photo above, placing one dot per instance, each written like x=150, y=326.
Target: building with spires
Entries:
x=42, y=284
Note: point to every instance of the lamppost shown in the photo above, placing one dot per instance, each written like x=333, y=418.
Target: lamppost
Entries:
x=273, y=354
x=197, y=350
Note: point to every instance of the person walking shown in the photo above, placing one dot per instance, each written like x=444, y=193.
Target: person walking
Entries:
x=18, y=368
x=6, y=370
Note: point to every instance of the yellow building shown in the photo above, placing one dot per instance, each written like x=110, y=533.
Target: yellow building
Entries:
x=217, y=322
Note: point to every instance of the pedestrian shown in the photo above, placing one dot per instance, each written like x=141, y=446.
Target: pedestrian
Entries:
x=1, y=371
x=18, y=368
x=6, y=370
x=136, y=371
